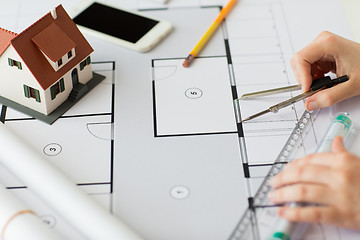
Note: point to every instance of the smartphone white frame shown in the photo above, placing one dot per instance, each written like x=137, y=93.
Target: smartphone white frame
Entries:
x=144, y=44
x=159, y=1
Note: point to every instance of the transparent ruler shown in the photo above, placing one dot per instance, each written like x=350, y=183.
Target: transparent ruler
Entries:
x=258, y=220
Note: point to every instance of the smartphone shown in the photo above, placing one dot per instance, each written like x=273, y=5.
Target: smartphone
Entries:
x=127, y=28
x=160, y=1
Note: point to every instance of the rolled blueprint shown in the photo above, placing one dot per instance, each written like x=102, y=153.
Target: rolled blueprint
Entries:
x=18, y=222
x=55, y=189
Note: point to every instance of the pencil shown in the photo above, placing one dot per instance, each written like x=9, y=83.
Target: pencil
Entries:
x=211, y=30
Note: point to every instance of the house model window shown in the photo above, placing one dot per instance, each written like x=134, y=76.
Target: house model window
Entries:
x=32, y=93
x=12, y=63
x=57, y=88
x=87, y=61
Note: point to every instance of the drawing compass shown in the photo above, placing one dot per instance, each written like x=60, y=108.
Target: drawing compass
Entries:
x=317, y=85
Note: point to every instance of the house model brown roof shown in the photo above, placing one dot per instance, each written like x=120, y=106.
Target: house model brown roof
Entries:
x=55, y=37
x=53, y=42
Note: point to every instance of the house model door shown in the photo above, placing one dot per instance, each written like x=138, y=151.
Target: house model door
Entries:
x=75, y=77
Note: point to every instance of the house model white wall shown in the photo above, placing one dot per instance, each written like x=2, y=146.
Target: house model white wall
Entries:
x=41, y=67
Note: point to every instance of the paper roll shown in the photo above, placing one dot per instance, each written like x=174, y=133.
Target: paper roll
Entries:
x=55, y=189
x=18, y=222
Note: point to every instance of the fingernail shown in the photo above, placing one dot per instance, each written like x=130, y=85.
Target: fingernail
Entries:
x=311, y=106
x=274, y=182
x=271, y=195
x=286, y=166
x=289, y=165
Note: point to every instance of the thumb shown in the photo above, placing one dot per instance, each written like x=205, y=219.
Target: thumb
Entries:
x=329, y=97
x=338, y=145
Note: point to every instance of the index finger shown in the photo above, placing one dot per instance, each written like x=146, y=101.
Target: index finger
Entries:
x=325, y=159
x=320, y=49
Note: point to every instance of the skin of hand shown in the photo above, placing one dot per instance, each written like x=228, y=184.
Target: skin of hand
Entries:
x=330, y=180
x=328, y=53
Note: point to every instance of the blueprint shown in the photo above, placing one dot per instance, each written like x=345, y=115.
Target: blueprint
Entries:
x=161, y=146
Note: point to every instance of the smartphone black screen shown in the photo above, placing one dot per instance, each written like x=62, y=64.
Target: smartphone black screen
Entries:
x=115, y=22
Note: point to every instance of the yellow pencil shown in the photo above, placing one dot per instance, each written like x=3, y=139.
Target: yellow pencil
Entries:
x=205, y=38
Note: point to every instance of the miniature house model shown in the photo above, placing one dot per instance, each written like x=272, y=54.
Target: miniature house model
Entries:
x=45, y=65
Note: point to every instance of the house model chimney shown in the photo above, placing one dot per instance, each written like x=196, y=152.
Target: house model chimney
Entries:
x=53, y=13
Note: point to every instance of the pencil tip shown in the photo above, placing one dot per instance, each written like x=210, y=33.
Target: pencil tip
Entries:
x=243, y=120
x=188, y=60
x=186, y=63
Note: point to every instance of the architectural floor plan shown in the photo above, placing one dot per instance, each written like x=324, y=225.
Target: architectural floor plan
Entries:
x=162, y=146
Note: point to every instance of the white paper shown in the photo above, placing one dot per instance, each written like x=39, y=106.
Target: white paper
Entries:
x=209, y=159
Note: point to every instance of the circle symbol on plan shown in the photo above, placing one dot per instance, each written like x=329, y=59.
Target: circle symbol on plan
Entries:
x=52, y=149
x=48, y=220
x=193, y=93
x=179, y=192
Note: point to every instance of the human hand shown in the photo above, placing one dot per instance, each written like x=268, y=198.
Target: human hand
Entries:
x=330, y=180
x=328, y=53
